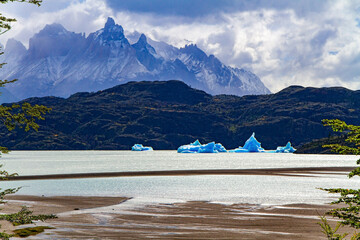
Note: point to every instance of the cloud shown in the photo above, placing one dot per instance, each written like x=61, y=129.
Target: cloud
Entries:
x=309, y=43
x=200, y=8
x=78, y=16
x=186, y=8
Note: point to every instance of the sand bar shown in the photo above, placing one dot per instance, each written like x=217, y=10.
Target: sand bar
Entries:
x=264, y=171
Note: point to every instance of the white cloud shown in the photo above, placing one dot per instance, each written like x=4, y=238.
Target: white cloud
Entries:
x=319, y=48
x=78, y=16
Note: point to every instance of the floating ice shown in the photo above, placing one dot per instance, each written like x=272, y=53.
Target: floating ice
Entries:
x=251, y=145
x=287, y=149
x=140, y=147
x=220, y=148
x=196, y=143
x=197, y=147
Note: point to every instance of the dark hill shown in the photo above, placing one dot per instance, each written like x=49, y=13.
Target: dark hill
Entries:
x=167, y=114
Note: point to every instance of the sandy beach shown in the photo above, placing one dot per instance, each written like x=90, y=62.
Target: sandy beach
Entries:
x=125, y=218
x=100, y=218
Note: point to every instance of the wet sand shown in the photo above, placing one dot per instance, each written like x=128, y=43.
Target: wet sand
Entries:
x=187, y=220
x=124, y=218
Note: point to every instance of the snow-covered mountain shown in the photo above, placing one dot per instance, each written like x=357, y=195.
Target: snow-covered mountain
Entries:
x=60, y=63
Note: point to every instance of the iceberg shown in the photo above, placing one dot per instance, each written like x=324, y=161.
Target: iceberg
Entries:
x=197, y=147
x=140, y=147
x=220, y=148
x=251, y=145
x=190, y=148
x=287, y=149
x=196, y=143
x=207, y=148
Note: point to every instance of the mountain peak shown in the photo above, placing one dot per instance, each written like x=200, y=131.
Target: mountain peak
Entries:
x=142, y=38
x=112, y=27
x=146, y=54
x=14, y=45
x=59, y=62
x=53, y=29
x=194, y=50
x=143, y=45
x=109, y=23
x=110, y=34
x=52, y=40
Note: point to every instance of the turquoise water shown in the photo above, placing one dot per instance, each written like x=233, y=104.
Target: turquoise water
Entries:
x=216, y=188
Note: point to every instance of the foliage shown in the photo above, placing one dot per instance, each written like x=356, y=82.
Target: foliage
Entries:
x=18, y=116
x=5, y=236
x=316, y=146
x=331, y=233
x=134, y=112
x=5, y=22
x=25, y=232
x=349, y=199
x=7, y=192
x=3, y=176
x=25, y=216
x=352, y=137
x=22, y=116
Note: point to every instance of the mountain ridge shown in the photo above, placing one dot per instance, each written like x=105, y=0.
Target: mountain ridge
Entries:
x=60, y=63
x=151, y=113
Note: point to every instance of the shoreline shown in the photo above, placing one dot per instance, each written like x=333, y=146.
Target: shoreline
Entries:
x=264, y=171
x=117, y=217
x=90, y=217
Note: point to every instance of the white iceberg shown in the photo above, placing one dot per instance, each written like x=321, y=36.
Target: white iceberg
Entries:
x=140, y=147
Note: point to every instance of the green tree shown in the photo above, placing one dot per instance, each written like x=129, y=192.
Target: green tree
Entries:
x=5, y=21
x=13, y=116
x=349, y=200
x=18, y=115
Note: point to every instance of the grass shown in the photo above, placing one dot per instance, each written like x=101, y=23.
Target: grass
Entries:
x=25, y=232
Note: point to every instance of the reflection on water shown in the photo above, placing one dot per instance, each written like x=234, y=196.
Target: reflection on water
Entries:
x=52, y=162
x=217, y=188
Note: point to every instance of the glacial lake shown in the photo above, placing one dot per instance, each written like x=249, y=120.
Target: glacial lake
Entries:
x=259, y=189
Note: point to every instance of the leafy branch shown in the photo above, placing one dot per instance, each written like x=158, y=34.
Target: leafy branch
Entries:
x=18, y=116
x=25, y=216
x=5, y=21
x=349, y=212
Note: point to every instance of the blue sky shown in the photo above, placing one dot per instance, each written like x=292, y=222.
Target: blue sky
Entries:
x=309, y=43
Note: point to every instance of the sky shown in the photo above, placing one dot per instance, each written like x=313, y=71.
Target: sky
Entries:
x=284, y=42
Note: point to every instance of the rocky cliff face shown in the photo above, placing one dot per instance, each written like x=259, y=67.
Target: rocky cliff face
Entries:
x=60, y=63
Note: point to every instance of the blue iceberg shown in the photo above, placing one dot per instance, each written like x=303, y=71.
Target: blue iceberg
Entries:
x=197, y=147
x=196, y=143
x=251, y=145
x=190, y=148
x=287, y=149
x=220, y=148
x=140, y=147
